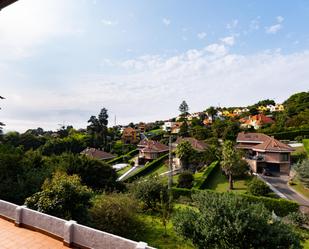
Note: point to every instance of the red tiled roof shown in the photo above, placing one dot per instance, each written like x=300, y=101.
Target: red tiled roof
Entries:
x=196, y=144
x=98, y=154
x=273, y=145
x=248, y=137
x=152, y=146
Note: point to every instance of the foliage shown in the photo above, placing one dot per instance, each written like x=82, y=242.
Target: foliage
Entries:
x=149, y=167
x=206, y=175
x=296, y=103
x=306, y=145
x=185, y=153
x=150, y=192
x=62, y=196
x=120, y=159
x=297, y=219
x=265, y=102
x=21, y=174
x=281, y=207
x=302, y=169
x=116, y=214
x=212, y=111
x=232, y=163
x=183, y=108
x=258, y=187
x=96, y=174
x=291, y=134
x=227, y=221
x=185, y=180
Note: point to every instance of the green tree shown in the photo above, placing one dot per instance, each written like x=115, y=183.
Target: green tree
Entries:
x=302, y=169
x=212, y=111
x=232, y=163
x=149, y=192
x=62, y=196
x=224, y=221
x=185, y=152
x=116, y=214
x=1, y=124
x=183, y=108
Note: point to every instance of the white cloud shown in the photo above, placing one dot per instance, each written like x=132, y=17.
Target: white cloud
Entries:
x=276, y=27
x=229, y=40
x=201, y=35
x=216, y=49
x=166, y=21
x=107, y=22
x=255, y=24
x=233, y=24
x=273, y=29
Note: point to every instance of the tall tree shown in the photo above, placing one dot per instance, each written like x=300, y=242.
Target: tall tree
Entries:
x=211, y=111
x=184, y=152
x=232, y=164
x=184, y=108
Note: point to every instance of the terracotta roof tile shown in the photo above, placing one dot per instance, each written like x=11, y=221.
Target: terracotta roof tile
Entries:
x=98, y=154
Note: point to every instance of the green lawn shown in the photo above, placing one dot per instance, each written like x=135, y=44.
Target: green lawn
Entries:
x=218, y=182
x=306, y=145
x=161, y=169
x=154, y=234
x=299, y=187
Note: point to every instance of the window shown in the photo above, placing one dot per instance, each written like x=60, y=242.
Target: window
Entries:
x=284, y=157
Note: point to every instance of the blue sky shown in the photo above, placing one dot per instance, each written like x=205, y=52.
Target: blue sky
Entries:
x=63, y=60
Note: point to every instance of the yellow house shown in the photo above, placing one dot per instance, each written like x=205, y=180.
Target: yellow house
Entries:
x=262, y=108
x=279, y=108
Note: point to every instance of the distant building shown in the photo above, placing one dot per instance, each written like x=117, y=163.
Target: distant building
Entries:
x=265, y=152
x=141, y=127
x=256, y=121
x=129, y=136
x=97, y=154
x=150, y=150
x=176, y=127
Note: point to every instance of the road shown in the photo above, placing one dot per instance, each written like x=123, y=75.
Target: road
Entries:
x=281, y=184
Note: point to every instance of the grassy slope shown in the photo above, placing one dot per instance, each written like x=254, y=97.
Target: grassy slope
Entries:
x=299, y=187
x=124, y=170
x=154, y=234
x=219, y=183
x=306, y=145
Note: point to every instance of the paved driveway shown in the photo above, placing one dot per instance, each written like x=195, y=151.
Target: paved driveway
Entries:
x=280, y=183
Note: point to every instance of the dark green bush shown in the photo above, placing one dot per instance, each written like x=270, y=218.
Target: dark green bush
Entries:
x=207, y=174
x=185, y=180
x=122, y=158
x=116, y=214
x=258, y=187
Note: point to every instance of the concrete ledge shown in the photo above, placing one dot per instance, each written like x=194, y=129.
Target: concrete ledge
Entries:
x=69, y=232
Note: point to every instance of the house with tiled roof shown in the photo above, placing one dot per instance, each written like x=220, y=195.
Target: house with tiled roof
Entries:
x=265, y=152
x=129, y=136
x=150, y=150
x=97, y=154
x=256, y=121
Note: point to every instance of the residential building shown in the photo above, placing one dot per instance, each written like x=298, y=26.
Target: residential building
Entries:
x=97, y=154
x=129, y=136
x=176, y=127
x=141, y=127
x=167, y=126
x=265, y=152
x=256, y=121
x=150, y=150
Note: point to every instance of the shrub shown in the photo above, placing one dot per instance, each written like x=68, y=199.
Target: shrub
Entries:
x=185, y=180
x=62, y=196
x=258, y=187
x=297, y=219
x=207, y=174
x=227, y=221
x=116, y=214
x=149, y=192
x=302, y=169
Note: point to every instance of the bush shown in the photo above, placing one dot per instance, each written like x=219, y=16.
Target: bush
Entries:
x=122, y=158
x=149, y=167
x=291, y=135
x=207, y=174
x=302, y=169
x=228, y=221
x=62, y=196
x=116, y=214
x=258, y=187
x=149, y=192
x=297, y=219
x=185, y=180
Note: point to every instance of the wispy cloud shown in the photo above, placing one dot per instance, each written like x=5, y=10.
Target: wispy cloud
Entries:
x=273, y=29
x=229, y=40
x=166, y=21
x=232, y=25
x=201, y=35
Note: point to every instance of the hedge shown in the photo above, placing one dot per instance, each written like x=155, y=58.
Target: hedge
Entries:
x=290, y=135
x=281, y=207
x=207, y=173
x=120, y=158
x=147, y=168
